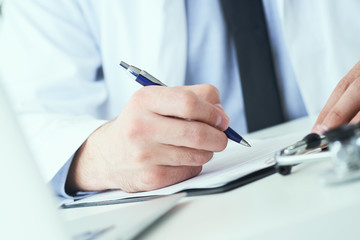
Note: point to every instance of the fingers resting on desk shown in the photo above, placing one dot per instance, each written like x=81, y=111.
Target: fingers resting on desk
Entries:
x=343, y=106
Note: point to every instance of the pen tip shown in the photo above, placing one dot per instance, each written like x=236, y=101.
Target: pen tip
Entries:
x=244, y=143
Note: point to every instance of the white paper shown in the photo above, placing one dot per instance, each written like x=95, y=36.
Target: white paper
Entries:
x=234, y=162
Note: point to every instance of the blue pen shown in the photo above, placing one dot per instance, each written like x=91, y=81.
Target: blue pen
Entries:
x=146, y=79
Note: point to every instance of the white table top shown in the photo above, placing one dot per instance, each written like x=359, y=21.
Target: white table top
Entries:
x=297, y=206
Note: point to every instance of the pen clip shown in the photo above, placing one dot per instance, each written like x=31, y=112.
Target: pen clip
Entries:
x=149, y=77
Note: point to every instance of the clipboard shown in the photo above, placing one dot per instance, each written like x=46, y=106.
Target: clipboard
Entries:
x=252, y=177
x=230, y=169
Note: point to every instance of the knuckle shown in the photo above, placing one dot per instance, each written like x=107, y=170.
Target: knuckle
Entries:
x=214, y=91
x=343, y=85
x=222, y=142
x=357, y=85
x=134, y=130
x=335, y=116
x=186, y=130
x=192, y=131
x=139, y=97
x=141, y=156
x=189, y=103
x=201, y=157
x=194, y=171
x=183, y=156
x=198, y=136
x=153, y=179
x=211, y=92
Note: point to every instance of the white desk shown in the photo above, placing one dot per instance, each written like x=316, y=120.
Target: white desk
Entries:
x=297, y=206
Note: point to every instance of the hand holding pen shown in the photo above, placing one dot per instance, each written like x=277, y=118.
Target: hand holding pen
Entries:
x=146, y=79
x=149, y=145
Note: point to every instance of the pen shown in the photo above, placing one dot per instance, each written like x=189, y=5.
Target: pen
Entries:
x=146, y=79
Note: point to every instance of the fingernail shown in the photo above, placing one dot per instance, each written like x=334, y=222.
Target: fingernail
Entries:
x=218, y=122
x=320, y=129
x=223, y=119
x=222, y=122
x=219, y=106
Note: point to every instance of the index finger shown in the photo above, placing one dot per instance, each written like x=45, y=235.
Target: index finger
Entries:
x=181, y=102
x=207, y=92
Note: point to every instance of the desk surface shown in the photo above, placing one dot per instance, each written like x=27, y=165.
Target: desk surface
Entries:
x=298, y=206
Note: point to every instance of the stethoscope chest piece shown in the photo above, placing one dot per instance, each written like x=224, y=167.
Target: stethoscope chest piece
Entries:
x=344, y=146
x=340, y=145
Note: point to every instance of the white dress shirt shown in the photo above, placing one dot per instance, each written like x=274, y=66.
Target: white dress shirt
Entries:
x=60, y=59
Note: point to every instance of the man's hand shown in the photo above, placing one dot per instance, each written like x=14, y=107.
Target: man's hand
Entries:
x=343, y=105
x=150, y=145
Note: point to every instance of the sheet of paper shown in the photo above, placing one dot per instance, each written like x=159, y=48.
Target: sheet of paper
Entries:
x=234, y=162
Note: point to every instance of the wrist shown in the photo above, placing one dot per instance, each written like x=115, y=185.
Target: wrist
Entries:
x=85, y=172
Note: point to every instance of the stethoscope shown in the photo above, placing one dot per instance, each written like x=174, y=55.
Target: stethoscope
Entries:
x=341, y=145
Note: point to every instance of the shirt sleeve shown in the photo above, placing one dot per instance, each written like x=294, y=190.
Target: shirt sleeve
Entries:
x=58, y=184
x=52, y=73
x=59, y=180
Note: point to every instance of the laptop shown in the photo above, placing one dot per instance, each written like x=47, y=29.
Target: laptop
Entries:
x=28, y=207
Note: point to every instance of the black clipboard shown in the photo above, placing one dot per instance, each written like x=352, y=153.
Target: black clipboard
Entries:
x=252, y=177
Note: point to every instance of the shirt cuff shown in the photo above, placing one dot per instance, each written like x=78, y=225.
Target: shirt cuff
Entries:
x=58, y=184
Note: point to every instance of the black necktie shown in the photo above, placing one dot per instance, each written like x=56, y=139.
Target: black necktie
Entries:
x=245, y=20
